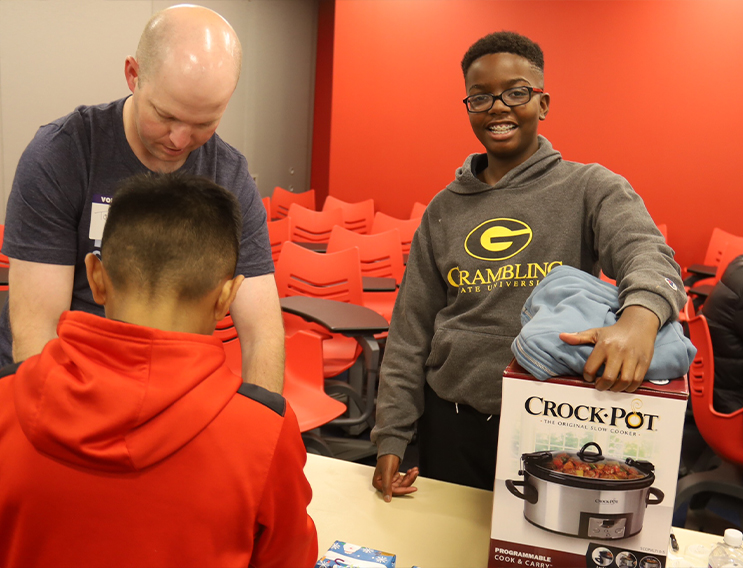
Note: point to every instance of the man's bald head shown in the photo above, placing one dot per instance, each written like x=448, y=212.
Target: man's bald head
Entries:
x=190, y=40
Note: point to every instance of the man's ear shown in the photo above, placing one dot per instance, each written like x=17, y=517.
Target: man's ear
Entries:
x=544, y=105
x=227, y=296
x=94, y=269
x=131, y=72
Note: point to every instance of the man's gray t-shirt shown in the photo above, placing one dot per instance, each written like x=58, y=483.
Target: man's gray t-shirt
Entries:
x=66, y=177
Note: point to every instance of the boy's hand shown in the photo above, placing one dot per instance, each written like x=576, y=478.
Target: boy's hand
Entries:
x=390, y=481
x=625, y=349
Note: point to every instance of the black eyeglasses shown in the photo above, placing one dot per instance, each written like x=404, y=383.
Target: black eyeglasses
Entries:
x=510, y=97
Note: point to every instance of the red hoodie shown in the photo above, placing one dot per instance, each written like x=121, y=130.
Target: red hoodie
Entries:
x=122, y=445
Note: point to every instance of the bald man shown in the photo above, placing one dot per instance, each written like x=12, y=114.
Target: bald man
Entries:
x=186, y=68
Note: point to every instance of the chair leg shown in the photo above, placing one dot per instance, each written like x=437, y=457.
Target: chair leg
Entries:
x=314, y=444
x=368, y=400
x=706, y=461
x=356, y=380
x=341, y=390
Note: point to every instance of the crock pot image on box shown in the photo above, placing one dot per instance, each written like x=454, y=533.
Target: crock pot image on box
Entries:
x=602, y=557
x=626, y=560
x=649, y=562
x=585, y=494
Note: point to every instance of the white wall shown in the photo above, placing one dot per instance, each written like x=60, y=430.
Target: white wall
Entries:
x=58, y=54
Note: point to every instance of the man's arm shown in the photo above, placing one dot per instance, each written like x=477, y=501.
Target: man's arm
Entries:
x=256, y=313
x=38, y=294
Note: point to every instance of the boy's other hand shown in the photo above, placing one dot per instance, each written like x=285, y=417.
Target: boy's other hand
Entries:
x=388, y=479
x=625, y=349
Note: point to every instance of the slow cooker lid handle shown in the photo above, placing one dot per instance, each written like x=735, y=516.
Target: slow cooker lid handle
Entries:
x=534, y=457
x=590, y=457
x=643, y=465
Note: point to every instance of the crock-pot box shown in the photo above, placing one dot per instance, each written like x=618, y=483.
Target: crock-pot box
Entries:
x=583, y=477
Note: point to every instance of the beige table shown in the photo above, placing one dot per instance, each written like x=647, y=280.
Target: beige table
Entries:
x=442, y=525
x=694, y=549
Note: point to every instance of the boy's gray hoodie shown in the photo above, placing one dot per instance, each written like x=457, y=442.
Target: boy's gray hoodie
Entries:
x=477, y=255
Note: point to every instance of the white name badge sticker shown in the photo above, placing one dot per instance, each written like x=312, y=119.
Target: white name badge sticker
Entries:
x=98, y=216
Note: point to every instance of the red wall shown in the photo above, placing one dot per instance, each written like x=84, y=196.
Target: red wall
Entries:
x=627, y=81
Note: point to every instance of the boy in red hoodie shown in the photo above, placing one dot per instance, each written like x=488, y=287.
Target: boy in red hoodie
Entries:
x=128, y=441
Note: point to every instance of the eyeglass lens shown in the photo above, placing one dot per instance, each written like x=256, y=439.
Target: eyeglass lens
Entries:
x=511, y=97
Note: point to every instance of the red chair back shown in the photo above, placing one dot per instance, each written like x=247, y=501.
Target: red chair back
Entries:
x=357, y=217
x=380, y=254
x=733, y=249
x=418, y=210
x=407, y=228
x=717, y=243
x=722, y=432
x=688, y=311
x=334, y=276
x=304, y=382
x=281, y=200
x=308, y=226
x=278, y=234
x=663, y=228
x=331, y=276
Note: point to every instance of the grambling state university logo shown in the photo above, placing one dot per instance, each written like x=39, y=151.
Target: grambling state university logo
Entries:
x=498, y=239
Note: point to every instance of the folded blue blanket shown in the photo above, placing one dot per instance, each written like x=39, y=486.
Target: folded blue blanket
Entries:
x=570, y=300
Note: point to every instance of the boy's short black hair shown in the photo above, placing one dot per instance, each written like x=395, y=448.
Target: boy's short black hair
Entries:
x=175, y=234
x=505, y=42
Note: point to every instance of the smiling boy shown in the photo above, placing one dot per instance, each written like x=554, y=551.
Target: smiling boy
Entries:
x=510, y=216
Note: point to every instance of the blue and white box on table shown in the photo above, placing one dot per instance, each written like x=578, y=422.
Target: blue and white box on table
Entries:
x=350, y=555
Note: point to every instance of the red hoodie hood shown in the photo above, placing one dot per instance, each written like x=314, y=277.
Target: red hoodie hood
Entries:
x=119, y=397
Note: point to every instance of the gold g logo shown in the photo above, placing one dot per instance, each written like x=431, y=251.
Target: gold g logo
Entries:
x=498, y=239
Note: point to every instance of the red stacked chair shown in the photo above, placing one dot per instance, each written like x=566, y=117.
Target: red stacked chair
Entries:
x=278, y=234
x=281, y=200
x=303, y=380
x=308, y=226
x=723, y=433
x=381, y=257
x=357, y=217
x=418, y=210
x=407, y=228
x=335, y=276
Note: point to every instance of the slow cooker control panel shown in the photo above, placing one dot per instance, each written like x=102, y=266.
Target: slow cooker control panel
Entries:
x=604, y=526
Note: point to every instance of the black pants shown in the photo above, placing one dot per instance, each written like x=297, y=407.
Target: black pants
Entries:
x=458, y=447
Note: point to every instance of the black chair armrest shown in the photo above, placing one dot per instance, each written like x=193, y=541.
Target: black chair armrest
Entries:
x=377, y=284
x=703, y=270
x=704, y=290
x=698, y=272
x=315, y=247
x=338, y=317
